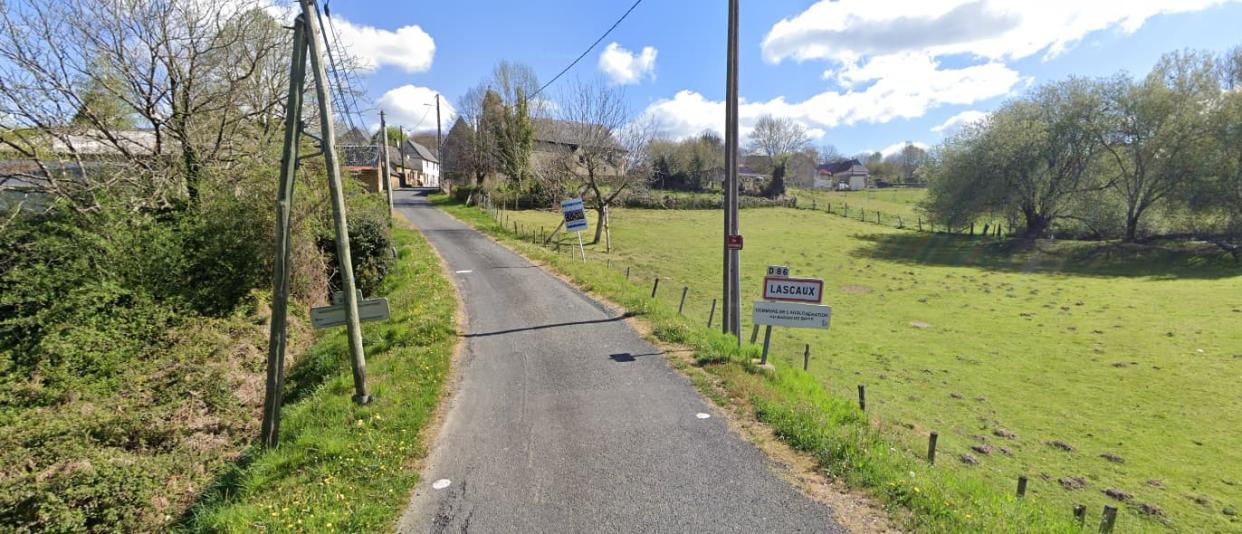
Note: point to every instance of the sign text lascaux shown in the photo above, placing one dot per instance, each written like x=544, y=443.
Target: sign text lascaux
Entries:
x=793, y=289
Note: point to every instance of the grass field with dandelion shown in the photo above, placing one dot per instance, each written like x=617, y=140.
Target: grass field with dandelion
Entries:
x=342, y=467
x=1106, y=374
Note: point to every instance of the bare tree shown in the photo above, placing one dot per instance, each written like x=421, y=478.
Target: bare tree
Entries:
x=777, y=138
x=828, y=153
x=592, y=128
x=202, y=78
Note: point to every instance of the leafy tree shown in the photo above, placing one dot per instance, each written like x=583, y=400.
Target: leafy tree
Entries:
x=1156, y=134
x=1026, y=161
x=393, y=133
x=101, y=104
x=514, y=136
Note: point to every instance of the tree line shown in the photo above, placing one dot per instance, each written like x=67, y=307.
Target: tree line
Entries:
x=1117, y=157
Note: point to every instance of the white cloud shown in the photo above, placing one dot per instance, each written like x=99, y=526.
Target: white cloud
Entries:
x=623, y=67
x=956, y=122
x=844, y=31
x=413, y=107
x=408, y=48
x=902, y=86
x=897, y=147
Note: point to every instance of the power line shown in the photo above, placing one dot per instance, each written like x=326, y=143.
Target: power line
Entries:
x=350, y=80
x=589, y=48
x=340, y=93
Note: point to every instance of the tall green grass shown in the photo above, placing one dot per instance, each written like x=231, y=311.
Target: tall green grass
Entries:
x=340, y=466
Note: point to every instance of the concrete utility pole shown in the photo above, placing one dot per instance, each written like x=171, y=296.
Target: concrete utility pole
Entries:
x=385, y=168
x=732, y=311
x=324, y=96
x=273, y=395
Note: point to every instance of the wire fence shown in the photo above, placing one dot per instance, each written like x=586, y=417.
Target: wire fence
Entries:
x=672, y=293
x=915, y=222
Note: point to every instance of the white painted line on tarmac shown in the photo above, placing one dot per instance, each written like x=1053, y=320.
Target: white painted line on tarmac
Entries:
x=702, y=415
x=441, y=484
x=467, y=271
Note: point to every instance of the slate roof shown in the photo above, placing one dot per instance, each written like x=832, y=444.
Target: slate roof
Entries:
x=843, y=166
x=418, y=151
x=571, y=133
x=360, y=155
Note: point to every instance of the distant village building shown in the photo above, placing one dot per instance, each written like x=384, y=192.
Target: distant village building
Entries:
x=845, y=174
x=410, y=164
x=362, y=163
x=557, y=142
x=421, y=167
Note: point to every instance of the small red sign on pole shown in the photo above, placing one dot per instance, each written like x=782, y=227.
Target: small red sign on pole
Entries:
x=733, y=242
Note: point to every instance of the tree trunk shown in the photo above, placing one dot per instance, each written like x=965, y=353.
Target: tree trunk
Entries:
x=599, y=222
x=1036, y=224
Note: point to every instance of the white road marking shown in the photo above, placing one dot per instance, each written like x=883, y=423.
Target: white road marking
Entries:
x=702, y=415
x=441, y=484
x=467, y=271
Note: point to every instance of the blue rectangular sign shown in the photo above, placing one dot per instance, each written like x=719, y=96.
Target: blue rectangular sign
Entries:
x=575, y=215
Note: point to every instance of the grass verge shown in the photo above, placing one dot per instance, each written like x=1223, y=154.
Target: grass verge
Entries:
x=840, y=438
x=340, y=466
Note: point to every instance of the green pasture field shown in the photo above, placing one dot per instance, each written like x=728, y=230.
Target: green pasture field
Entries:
x=1090, y=368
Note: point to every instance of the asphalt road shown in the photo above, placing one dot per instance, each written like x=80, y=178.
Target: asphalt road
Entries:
x=566, y=420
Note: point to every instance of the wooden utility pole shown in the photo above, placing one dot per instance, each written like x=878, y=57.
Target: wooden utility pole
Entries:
x=273, y=395
x=328, y=142
x=386, y=167
x=401, y=153
x=439, y=142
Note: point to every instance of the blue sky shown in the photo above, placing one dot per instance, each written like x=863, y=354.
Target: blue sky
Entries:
x=859, y=74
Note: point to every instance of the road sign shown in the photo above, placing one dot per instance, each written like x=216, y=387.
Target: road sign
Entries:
x=575, y=215
x=334, y=315
x=791, y=314
x=778, y=270
x=733, y=242
x=793, y=289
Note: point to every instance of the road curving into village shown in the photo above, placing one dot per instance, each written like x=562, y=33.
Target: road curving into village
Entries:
x=566, y=420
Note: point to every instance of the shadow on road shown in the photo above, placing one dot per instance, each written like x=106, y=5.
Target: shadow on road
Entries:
x=625, y=357
x=547, y=326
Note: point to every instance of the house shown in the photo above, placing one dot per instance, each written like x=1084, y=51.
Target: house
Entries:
x=849, y=173
x=362, y=163
x=419, y=166
x=559, y=141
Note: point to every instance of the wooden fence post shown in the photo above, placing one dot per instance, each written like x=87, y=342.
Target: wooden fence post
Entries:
x=711, y=314
x=806, y=357
x=682, y=305
x=655, y=287
x=931, y=448
x=1109, y=519
x=862, y=397
x=1021, y=486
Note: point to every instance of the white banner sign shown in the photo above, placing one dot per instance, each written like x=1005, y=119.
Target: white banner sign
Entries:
x=334, y=315
x=793, y=289
x=792, y=314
